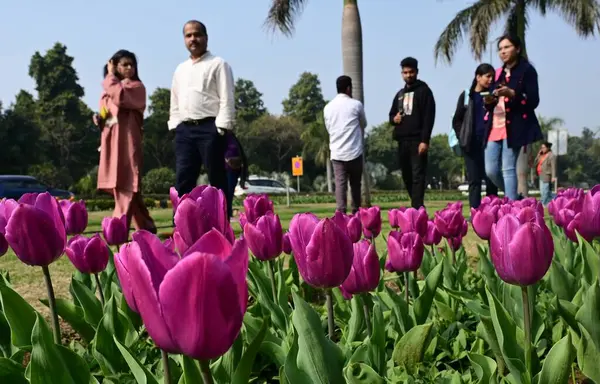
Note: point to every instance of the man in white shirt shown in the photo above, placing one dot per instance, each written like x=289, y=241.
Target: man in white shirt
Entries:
x=202, y=112
x=345, y=122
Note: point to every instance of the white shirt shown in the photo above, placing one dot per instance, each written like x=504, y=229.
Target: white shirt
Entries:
x=203, y=88
x=345, y=121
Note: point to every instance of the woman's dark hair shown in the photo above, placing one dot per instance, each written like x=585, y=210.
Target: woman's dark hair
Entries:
x=124, y=54
x=481, y=70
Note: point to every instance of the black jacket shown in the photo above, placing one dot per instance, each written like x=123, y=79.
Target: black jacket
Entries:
x=417, y=123
x=462, y=122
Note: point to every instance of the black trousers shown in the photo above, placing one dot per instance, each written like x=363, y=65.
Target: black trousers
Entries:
x=475, y=164
x=343, y=172
x=199, y=143
x=413, y=167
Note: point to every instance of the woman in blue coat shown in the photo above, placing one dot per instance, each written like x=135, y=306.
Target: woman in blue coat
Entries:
x=512, y=122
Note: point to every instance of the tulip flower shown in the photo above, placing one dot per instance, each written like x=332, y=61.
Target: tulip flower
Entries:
x=371, y=221
x=89, y=255
x=364, y=275
x=174, y=197
x=413, y=220
x=449, y=222
x=257, y=205
x=7, y=206
x=76, y=216
x=405, y=254
x=457, y=206
x=482, y=220
x=393, y=217
x=194, y=305
x=433, y=236
x=350, y=224
x=3, y=245
x=36, y=233
x=323, y=253
x=521, y=250
x=286, y=244
x=587, y=222
x=115, y=230
x=199, y=212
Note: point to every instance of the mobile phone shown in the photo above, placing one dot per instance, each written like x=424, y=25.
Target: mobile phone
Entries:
x=484, y=93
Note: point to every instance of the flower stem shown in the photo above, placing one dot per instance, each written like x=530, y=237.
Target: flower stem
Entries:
x=52, y=304
x=330, y=321
x=206, y=374
x=453, y=255
x=166, y=369
x=367, y=316
x=407, y=293
x=527, y=329
x=272, y=278
x=99, y=287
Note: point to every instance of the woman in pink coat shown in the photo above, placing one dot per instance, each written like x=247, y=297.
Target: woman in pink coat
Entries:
x=122, y=106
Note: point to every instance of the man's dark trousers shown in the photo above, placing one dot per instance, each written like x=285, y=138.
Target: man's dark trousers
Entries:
x=413, y=167
x=343, y=172
x=199, y=143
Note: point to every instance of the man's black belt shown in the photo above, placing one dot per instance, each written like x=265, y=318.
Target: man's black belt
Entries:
x=198, y=121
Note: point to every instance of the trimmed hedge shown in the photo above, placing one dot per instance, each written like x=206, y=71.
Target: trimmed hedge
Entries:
x=163, y=201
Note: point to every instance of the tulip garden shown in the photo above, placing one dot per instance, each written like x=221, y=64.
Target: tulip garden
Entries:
x=331, y=300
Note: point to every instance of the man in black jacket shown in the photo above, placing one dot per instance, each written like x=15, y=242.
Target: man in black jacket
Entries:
x=412, y=114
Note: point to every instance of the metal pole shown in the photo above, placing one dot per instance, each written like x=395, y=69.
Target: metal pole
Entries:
x=556, y=163
x=298, y=177
x=287, y=188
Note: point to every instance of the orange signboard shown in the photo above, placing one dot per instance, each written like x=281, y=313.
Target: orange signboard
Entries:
x=297, y=169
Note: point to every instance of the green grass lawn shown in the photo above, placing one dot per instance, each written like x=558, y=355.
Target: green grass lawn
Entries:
x=29, y=281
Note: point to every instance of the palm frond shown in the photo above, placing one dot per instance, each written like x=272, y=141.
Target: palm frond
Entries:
x=484, y=17
x=283, y=14
x=583, y=15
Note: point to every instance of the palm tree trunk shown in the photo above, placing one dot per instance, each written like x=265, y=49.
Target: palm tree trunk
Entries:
x=520, y=32
x=329, y=173
x=352, y=57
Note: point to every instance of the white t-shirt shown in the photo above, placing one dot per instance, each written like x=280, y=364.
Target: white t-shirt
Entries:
x=345, y=120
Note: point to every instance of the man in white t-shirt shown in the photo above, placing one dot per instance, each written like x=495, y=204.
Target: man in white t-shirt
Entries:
x=345, y=122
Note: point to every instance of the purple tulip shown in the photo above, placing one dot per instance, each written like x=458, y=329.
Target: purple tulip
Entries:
x=257, y=205
x=286, y=244
x=457, y=206
x=405, y=252
x=393, y=216
x=122, y=267
x=198, y=213
x=88, y=255
x=371, y=221
x=433, y=236
x=264, y=237
x=76, y=216
x=350, y=224
x=194, y=194
x=195, y=305
x=413, y=220
x=450, y=222
x=587, y=222
x=323, y=252
x=242, y=220
x=365, y=272
x=455, y=243
x=36, y=231
x=7, y=206
x=482, y=220
x=521, y=249
x=174, y=197
x=115, y=230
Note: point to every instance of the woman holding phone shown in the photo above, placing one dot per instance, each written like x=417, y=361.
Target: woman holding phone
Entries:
x=122, y=105
x=512, y=122
x=470, y=127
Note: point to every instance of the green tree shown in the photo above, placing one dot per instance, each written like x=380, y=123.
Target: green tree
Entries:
x=380, y=147
x=305, y=99
x=316, y=146
x=19, y=136
x=477, y=19
x=443, y=164
x=249, y=105
x=158, y=139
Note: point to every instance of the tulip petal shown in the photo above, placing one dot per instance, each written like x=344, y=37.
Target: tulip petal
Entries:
x=201, y=306
x=212, y=242
x=301, y=230
x=48, y=204
x=238, y=263
x=121, y=260
x=158, y=258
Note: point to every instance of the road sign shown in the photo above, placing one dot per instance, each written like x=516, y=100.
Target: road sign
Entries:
x=559, y=139
x=297, y=169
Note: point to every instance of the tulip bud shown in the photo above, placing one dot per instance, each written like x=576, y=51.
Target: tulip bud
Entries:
x=88, y=255
x=257, y=205
x=482, y=220
x=286, y=244
x=323, y=252
x=76, y=216
x=115, y=230
x=413, y=220
x=393, y=217
x=450, y=222
x=365, y=272
x=36, y=231
x=264, y=237
x=405, y=252
x=433, y=236
x=521, y=251
x=371, y=221
x=349, y=224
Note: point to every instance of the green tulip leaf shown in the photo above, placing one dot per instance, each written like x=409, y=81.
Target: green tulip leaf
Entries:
x=589, y=313
x=485, y=368
x=360, y=373
x=262, y=287
x=422, y=305
x=400, y=309
x=90, y=304
x=141, y=374
x=12, y=372
x=377, y=350
x=588, y=356
x=409, y=351
x=557, y=366
x=244, y=368
x=20, y=316
x=562, y=283
x=318, y=357
x=6, y=347
x=591, y=261
x=356, y=321
x=74, y=315
x=104, y=349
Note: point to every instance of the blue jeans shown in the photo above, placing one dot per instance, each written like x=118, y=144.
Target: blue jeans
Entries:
x=501, y=167
x=546, y=192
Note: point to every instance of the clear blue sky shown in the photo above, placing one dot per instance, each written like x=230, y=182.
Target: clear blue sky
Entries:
x=568, y=67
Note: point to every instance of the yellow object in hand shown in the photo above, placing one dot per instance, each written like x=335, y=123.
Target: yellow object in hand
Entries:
x=104, y=113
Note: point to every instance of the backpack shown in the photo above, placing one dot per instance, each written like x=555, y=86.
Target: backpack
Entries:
x=452, y=138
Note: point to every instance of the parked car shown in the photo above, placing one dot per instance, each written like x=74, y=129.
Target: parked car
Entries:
x=257, y=184
x=15, y=186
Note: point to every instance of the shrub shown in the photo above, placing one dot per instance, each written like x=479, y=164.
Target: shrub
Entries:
x=158, y=180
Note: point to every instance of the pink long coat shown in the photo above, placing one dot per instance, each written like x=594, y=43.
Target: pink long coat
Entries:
x=121, y=143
